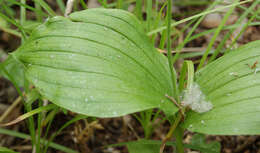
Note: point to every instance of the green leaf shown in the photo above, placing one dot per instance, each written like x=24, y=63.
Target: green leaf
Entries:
x=97, y=62
x=29, y=25
x=15, y=69
x=199, y=143
x=153, y=146
x=5, y=150
x=43, y=141
x=143, y=146
x=231, y=83
x=3, y=23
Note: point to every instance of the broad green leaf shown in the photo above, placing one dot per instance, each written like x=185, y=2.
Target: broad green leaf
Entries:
x=231, y=83
x=143, y=146
x=6, y=150
x=199, y=143
x=29, y=25
x=14, y=68
x=153, y=146
x=98, y=62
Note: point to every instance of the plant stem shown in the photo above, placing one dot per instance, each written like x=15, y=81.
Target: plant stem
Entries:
x=10, y=109
x=245, y=27
x=149, y=7
x=170, y=133
x=194, y=27
x=31, y=125
x=138, y=9
x=39, y=128
x=43, y=141
x=120, y=4
x=83, y=4
x=170, y=59
x=53, y=113
x=61, y=5
x=38, y=15
x=213, y=39
x=22, y=15
x=178, y=133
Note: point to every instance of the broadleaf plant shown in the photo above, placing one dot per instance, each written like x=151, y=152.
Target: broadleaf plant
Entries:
x=231, y=83
x=100, y=62
x=97, y=62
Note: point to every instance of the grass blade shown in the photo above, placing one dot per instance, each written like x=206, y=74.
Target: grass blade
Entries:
x=61, y=6
x=196, y=16
x=180, y=46
x=46, y=7
x=228, y=35
x=173, y=74
x=31, y=113
x=212, y=41
x=25, y=136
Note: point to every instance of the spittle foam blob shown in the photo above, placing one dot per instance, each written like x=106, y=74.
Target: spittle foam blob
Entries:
x=196, y=100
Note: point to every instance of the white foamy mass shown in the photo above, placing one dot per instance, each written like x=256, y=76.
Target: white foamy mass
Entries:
x=196, y=100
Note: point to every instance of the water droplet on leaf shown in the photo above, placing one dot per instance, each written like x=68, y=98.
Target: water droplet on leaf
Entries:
x=91, y=97
x=229, y=94
x=162, y=101
x=114, y=113
x=202, y=122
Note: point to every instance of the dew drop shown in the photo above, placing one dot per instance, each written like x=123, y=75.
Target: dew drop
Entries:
x=56, y=17
x=91, y=97
x=190, y=126
x=86, y=99
x=202, y=122
x=47, y=19
x=235, y=129
x=52, y=56
x=114, y=113
x=82, y=81
x=233, y=74
x=162, y=101
x=110, y=149
x=256, y=70
x=229, y=94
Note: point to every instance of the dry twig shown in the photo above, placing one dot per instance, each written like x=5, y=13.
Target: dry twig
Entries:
x=69, y=7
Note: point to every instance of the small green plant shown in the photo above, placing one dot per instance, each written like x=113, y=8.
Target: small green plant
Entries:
x=101, y=63
x=5, y=150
